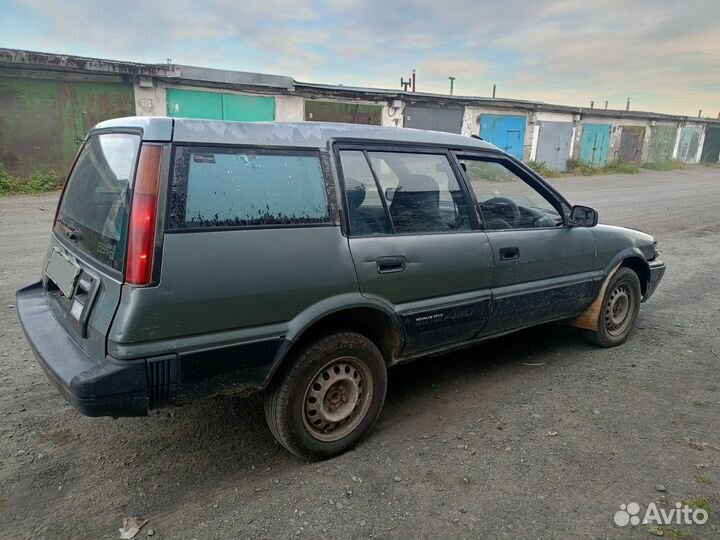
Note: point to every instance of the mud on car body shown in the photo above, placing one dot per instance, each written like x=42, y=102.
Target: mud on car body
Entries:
x=190, y=258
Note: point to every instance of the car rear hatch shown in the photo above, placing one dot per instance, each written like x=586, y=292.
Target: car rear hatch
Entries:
x=87, y=261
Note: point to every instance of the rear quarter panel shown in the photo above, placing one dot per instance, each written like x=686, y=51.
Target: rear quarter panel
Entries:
x=217, y=281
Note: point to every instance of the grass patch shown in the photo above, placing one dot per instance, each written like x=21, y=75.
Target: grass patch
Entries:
x=620, y=167
x=698, y=404
x=666, y=165
x=543, y=170
x=37, y=182
x=580, y=168
x=704, y=480
x=677, y=533
x=699, y=502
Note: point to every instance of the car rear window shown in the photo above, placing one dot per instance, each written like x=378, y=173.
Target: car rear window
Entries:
x=230, y=187
x=96, y=202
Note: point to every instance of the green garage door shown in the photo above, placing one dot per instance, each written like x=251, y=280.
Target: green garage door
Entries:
x=219, y=106
x=43, y=121
x=350, y=113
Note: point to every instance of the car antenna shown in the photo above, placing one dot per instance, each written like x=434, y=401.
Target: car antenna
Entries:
x=474, y=136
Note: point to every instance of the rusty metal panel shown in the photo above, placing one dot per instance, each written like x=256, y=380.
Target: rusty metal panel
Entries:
x=554, y=140
x=711, y=146
x=42, y=121
x=352, y=113
x=631, y=144
x=447, y=119
x=662, y=143
x=689, y=144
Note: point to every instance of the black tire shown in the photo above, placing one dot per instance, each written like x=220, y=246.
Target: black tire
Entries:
x=623, y=291
x=353, y=361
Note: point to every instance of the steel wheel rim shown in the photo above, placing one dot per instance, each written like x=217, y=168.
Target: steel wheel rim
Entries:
x=337, y=399
x=619, y=309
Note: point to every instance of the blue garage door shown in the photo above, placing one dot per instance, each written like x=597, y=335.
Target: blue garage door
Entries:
x=595, y=143
x=507, y=132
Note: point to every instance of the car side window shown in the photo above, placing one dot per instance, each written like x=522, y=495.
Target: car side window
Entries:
x=366, y=211
x=506, y=201
x=422, y=192
x=235, y=187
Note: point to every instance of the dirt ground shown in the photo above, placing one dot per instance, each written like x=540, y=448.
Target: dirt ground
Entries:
x=536, y=435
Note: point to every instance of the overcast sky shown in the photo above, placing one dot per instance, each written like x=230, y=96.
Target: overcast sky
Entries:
x=663, y=54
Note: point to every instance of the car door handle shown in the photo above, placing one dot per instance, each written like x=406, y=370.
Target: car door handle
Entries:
x=509, y=254
x=386, y=265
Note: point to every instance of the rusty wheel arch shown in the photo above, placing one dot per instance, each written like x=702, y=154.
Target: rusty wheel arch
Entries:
x=383, y=330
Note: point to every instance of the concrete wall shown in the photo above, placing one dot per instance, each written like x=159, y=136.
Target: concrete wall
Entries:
x=289, y=108
x=150, y=101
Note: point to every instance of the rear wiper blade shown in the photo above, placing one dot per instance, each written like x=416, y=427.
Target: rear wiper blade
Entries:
x=72, y=233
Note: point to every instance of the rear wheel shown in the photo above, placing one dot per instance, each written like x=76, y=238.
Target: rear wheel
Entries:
x=329, y=397
x=620, y=308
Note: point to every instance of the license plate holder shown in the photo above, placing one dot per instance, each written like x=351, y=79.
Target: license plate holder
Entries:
x=63, y=272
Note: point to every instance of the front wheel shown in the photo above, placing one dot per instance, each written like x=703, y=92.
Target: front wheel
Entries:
x=620, y=308
x=329, y=397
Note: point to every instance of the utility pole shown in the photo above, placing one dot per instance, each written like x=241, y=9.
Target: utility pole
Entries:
x=627, y=105
x=413, y=80
x=405, y=84
x=592, y=104
x=494, y=87
x=606, y=103
x=452, y=84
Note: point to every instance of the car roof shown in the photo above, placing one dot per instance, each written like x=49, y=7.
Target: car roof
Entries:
x=287, y=134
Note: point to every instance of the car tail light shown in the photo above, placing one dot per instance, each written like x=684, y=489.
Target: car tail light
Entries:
x=143, y=217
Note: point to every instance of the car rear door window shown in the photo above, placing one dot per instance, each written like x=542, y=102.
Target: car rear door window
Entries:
x=366, y=208
x=95, y=205
x=231, y=187
x=422, y=192
x=402, y=193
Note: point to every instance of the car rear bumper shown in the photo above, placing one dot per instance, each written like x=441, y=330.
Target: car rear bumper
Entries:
x=657, y=271
x=95, y=387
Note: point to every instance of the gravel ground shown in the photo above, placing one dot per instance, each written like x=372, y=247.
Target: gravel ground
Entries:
x=536, y=435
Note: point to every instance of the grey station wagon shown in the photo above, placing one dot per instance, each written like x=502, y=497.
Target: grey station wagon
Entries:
x=190, y=258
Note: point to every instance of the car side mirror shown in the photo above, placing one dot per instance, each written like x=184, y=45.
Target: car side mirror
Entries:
x=583, y=216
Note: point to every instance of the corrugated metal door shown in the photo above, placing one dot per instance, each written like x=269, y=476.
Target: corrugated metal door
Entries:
x=594, y=143
x=448, y=120
x=662, y=143
x=219, y=106
x=352, y=113
x=689, y=143
x=711, y=146
x=631, y=143
x=507, y=132
x=554, y=140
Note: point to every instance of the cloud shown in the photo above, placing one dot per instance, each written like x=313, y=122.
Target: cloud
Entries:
x=663, y=54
